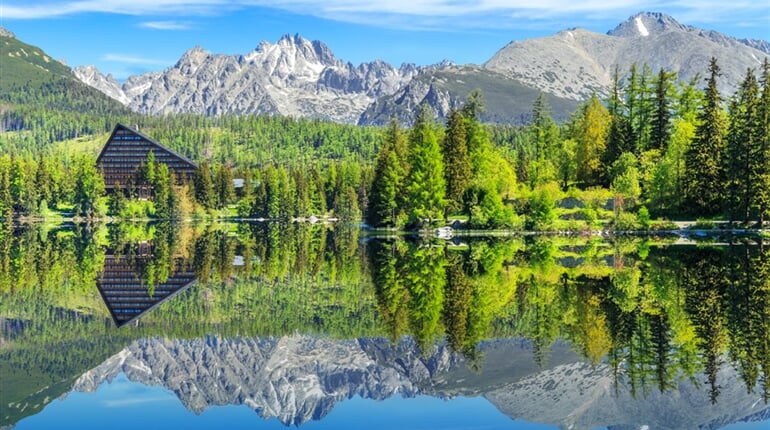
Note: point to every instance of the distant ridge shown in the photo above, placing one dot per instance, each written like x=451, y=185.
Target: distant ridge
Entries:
x=302, y=78
x=576, y=63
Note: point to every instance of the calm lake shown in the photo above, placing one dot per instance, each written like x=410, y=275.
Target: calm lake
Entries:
x=263, y=325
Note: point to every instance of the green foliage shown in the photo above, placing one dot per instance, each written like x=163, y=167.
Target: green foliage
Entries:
x=625, y=178
x=656, y=314
x=542, y=207
x=457, y=167
x=425, y=184
x=89, y=187
x=590, y=133
x=704, y=189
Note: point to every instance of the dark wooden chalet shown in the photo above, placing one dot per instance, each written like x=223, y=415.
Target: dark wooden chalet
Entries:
x=127, y=149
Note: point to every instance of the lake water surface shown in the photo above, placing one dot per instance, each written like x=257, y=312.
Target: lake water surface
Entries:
x=275, y=325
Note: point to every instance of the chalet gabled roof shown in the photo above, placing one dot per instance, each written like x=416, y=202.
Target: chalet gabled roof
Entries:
x=120, y=126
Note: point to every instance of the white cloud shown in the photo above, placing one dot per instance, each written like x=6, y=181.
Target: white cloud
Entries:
x=166, y=25
x=130, y=59
x=15, y=9
x=411, y=14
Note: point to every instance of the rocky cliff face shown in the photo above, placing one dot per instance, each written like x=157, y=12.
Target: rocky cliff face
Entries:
x=91, y=76
x=294, y=77
x=576, y=63
x=297, y=379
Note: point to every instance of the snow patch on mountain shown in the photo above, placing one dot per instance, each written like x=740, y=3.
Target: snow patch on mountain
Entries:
x=640, y=26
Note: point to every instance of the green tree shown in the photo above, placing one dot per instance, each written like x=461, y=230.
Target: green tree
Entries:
x=457, y=166
x=761, y=160
x=620, y=137
x=89, y=187
x=625, y=177
x=704, y=189
x=204, y=186
x=590, y=134
x=388, y=181
x=744, y=150
x=425, y=185
x=223, y=186
x=661, y=114
x=544, y=136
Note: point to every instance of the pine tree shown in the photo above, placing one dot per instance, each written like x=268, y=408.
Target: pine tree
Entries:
x=223, y=186
x=703, y=159
x=89, y=186
x=661, y=119
x=425, y=185
x=544, y=136
x=742, y=149
x=761, y=159
x=388, y=180
x=620, y=134
x=457, y=165
x=204, y=186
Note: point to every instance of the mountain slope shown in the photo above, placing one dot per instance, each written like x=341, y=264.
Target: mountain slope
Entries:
x=576, y=63
x=21, y=63
x=507, y=101
x=31, y=81
x=294, y=77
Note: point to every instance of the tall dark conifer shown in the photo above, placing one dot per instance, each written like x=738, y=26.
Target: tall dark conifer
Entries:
x=761, y=166
x=620, y=135
x=425, y=185
x=742, y=149
x=661, y=119
x=457, y=165
x=204, y=186
x=704, y=190
x=388, y=181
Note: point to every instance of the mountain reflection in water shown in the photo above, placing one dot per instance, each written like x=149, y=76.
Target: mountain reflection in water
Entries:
x=572, y=332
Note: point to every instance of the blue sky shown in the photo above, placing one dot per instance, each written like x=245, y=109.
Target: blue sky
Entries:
x=125, y=37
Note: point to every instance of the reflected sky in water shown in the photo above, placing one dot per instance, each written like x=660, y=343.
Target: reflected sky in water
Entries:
x=123, y=404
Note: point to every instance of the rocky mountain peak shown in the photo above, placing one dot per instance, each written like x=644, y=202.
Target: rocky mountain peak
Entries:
x=300, y=48
x=644, y=24
x=192, y=59
x=6, y=33
x=91, y=76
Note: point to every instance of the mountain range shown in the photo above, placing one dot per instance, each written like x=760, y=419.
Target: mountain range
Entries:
x=300, y=378
x=298, y=77
x=302, y=78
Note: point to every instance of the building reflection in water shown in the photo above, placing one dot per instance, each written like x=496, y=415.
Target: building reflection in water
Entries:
x=129, y=292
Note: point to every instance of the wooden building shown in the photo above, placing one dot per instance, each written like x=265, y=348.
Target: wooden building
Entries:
x=124, y=153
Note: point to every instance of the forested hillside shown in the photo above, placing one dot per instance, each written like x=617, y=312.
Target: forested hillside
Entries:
x=656, y=148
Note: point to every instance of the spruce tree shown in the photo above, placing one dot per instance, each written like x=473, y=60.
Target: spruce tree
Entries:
x=761, y=159
x=661, y=119
x=204, y=186
x=544, y=137
x=425, y=185
x=457, y=165
x=742, y=149
x=703, y=159
x=620, y=134
x=388, y=181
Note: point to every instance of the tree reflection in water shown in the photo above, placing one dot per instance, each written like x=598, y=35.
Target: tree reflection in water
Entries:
x=657, y=314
